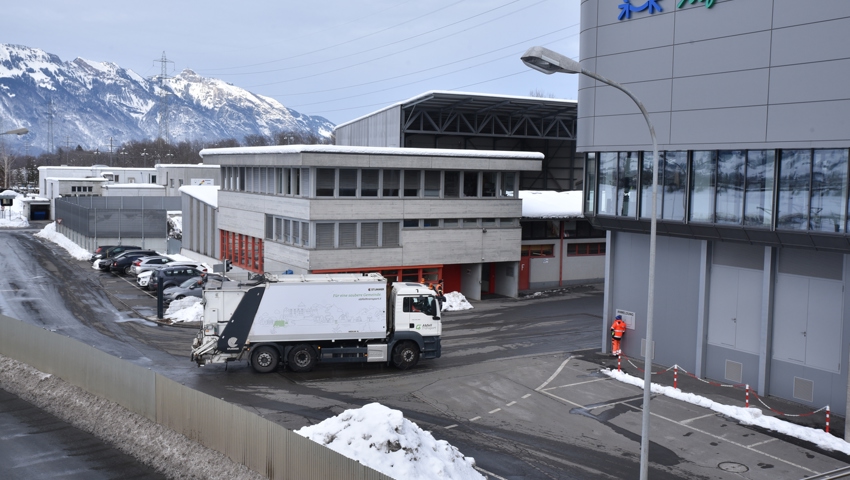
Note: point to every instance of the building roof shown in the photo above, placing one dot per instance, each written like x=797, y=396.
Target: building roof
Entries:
x=127, y=186
x=345, y=149
x=549, y=204
x=480, y=102
x=205, y=193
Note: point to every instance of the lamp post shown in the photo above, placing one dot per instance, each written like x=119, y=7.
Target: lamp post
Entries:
x=549, y=62
x=17, y=131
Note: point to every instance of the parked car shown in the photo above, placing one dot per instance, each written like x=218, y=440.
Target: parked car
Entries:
x=193, y=287
x=99, y=251
x=149, y=263
x=122, y=263
x=144, y=277
x=112, y=252
x=105, y=263
x=171, y=276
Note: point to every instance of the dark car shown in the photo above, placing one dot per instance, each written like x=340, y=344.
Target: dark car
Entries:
x=107, y=257
x=123, y=262
x=193, y=287
x=172, y=276
x=99, y=251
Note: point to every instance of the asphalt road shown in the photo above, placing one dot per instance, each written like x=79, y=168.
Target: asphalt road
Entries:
x=516, y=388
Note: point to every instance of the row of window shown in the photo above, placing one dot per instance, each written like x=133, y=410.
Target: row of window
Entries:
x=75, y=189
x=363, y=234
x=545, y=229
x=573, y=250
x=370, y=183
x=783, y=189
x=242, y=250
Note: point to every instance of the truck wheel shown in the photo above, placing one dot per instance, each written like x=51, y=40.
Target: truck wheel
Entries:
x=405, y=355
x=265, y=359
x=302, y=358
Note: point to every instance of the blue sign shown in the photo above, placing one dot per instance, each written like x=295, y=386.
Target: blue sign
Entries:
x=626, y=8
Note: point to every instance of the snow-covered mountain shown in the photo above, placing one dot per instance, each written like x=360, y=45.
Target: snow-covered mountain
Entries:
x=96, y=101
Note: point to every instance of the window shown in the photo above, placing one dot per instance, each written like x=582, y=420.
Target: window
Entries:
x=538, y=250
x=488, y=186
x=674, y=185
x=153, y=179
x=758, y=201
x=389, y=234
x=590, y=184
x=584, y=249
x=347, y=182
x=305, y=234
x=347, y=235
x=508, y=222
x=296, y=181
x=278, y=229
x=730, y=187
x=369, y=183
x=296, y=238
x=411, y=183
x=508, y=184
x=369, y=234
x=325, y=182
x=829, y=189
x=607, y=183
x=324, y=235
x=470, y=184
x=430, y=222
x=627, y=181
x=391, y=183
x=450, y=223
x=703, y=184
x=411, y=223
x=432, y=183
x=452, y=185
x=488, y=222
x=541, y=229
x=470, y=223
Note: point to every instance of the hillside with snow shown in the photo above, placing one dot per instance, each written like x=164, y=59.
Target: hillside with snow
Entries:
x=93, y=101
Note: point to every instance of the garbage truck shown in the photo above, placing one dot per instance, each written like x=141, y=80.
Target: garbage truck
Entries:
x=300, y=321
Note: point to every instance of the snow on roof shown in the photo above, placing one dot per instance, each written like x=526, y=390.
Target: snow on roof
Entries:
x=134, y=185
x=205, y=193
x=549, y=204
x=186, y=165
x=425, y=152
x=77, y=179
x=450, y=92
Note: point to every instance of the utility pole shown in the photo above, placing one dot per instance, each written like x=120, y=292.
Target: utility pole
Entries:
x=50, y=113
x=163, y=98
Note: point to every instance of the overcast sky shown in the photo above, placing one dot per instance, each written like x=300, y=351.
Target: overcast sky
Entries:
x=338, y=59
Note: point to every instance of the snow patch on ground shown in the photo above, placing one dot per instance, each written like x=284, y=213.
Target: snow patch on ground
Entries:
x=381, y=438
x=747, y=416
x=49, y=233
x=13, y=217
x=188, y=309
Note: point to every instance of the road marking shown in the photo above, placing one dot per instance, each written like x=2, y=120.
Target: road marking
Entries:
x=474, y=419
x=526, y=395
x=451, y=426
x=697, y=418
x=581, y=383
x=493, y=411
x=564, y=364
x=762, y=443
x=512, y=403
x=563, y=399
x=489, y=474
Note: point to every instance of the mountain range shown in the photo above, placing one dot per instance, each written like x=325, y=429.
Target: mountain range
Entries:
x=98, y=104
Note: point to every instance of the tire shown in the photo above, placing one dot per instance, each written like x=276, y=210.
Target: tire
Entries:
x=302, y=358
x=179, y=297
x=128, y=270
x=265, y=359
x=405, y=355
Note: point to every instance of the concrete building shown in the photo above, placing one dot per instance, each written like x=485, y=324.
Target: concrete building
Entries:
x=559, y=246
x=173, y=176
x=750, y=106
x=409, y=213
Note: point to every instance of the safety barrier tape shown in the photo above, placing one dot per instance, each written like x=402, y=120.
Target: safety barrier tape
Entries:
x=677, y=368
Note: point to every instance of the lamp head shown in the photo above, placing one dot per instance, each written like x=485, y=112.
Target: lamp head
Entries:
x=547, y=61
x=17, y=131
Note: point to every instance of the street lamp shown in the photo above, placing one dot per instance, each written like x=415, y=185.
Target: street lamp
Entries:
x=549, y=62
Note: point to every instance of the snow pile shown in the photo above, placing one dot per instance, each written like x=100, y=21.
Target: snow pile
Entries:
x=455, y=301
x=13, y=217
x=188, y=309
x=747, y=416
x=49, y=233
x=170, y=453
x=382, y=439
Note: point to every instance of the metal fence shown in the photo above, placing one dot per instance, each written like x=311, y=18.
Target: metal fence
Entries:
x=116, y=217
x=243, y=436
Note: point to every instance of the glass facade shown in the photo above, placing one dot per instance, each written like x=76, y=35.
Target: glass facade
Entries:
x=803, y=190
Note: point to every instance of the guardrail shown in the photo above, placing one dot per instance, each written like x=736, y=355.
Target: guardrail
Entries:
x=245, y=437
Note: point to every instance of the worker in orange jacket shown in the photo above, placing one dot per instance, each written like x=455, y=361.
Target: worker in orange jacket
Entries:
x=618, y=329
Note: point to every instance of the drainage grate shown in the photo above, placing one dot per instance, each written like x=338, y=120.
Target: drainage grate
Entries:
x=733, y=467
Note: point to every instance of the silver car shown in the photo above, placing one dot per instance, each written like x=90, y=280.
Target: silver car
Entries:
x=149, y=263
x=144, y=278
x=193, y=287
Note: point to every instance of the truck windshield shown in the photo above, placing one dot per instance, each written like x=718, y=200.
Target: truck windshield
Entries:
x=424, y=304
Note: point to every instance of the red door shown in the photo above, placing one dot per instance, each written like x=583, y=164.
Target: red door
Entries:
x=524, y=270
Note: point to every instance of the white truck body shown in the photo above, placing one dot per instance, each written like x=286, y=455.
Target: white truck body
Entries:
x=305, y=319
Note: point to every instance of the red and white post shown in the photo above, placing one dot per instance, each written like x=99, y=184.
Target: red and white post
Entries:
x=676, y=376
x=827, y=419
x=619, y=357
x=748, y=396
